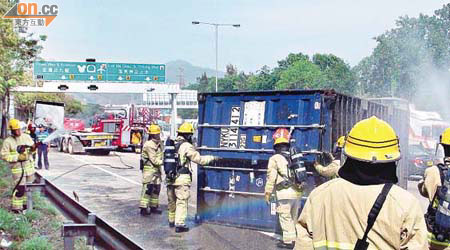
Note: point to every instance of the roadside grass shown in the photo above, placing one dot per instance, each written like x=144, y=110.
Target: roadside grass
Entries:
x=36, y=243
x=36, y=230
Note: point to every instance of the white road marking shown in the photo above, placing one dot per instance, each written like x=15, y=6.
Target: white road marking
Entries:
x=272, y=235
x=106, y=171
x=113, y=174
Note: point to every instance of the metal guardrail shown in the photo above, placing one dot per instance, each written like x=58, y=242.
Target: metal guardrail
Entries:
x=106, y=236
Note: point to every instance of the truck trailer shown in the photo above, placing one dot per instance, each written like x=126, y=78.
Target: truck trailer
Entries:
x=238, y=127
x=68, y=140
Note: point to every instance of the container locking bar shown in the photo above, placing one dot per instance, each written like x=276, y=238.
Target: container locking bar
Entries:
x=207, y=125
x=258, y=150
x=207, y=189
x=236, y=169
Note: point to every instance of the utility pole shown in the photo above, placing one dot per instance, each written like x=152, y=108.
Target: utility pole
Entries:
x=181, y=77
x=216, y=31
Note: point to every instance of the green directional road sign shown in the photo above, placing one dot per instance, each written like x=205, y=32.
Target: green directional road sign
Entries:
x=99, y=72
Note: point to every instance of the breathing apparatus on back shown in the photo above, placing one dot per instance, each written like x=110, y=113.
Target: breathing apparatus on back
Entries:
x=296, y=164
x=437, y=217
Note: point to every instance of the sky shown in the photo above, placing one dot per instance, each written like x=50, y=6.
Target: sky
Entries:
x=162, y=31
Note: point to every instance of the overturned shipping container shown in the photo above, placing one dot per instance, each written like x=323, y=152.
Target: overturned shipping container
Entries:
x=238, y=126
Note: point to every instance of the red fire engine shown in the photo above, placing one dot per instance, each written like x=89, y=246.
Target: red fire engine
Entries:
x=129, y=122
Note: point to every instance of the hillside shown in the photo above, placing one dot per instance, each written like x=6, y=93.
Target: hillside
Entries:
x=190, y=72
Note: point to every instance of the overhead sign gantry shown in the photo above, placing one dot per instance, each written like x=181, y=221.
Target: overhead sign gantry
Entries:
x=99, y=72
x=114, y=78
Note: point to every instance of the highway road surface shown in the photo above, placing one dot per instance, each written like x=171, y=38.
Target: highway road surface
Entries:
x=113, y=194
x=111, y=190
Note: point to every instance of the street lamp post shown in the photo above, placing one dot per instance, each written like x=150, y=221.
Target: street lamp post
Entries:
x=216, y=29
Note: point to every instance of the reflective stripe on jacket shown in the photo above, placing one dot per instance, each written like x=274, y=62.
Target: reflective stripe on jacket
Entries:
x=335, y=216
x=10, y=155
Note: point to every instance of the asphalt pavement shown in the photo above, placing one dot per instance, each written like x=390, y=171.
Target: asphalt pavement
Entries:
x=113, y=194
x=110, y=189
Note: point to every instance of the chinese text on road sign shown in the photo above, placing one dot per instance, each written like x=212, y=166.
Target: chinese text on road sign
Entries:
x=98, y=72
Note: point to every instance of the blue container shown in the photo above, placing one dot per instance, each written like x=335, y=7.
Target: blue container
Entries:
x=238, y=126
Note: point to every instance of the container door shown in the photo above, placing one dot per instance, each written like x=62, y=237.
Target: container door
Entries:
x=239, y=129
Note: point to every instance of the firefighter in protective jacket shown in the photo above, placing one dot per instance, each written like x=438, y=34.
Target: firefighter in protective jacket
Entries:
x=331, y=170
x=336, y=214
x=287, y=192
x=17, y=150
x=186, y=154
x=152, y=156
x=429, y=187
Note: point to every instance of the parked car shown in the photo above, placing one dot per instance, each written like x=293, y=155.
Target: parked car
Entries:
x=419, y=159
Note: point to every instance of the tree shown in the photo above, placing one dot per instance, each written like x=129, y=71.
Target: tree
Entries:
x=16, y=53
x=264, y=79
x=205, y=84
x=188, y=113
x=231, y=70
x=338, y=74
x=25, y=102
x=302, y=74
x=290, y=60
x=408, y=57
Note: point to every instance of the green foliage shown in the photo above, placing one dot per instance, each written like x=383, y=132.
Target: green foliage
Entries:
x=302, y=74
x=407, y=56
x=6, y=220
x=25, y=102
x=290, y=60
x=55, y=224
x=36, y=243
x=33, y=215
x=22, y=228
x=296, y=71
x=42, y=205
x=16, y=54
x=18, y=225
x=264, y=79
x=338, y=74
x=188, y=113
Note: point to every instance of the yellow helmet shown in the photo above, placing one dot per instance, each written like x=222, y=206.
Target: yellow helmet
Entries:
x=372, y=140
x=445, y=137
x=186, y=128
x=340, y=142
x=281, y=140
x=154, y=129
x=14, y=124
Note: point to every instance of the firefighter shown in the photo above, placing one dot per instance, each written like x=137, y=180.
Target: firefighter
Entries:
x=331, y=170
x=20, y=162
x=136, y=138
x=186, y=154
x=429, y=187
x=287, y=193
x=171, y=202
x=336, y=214
x=32, y=132
x=152, y=156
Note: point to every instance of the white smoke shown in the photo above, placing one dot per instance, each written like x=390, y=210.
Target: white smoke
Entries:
x=433, y=91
